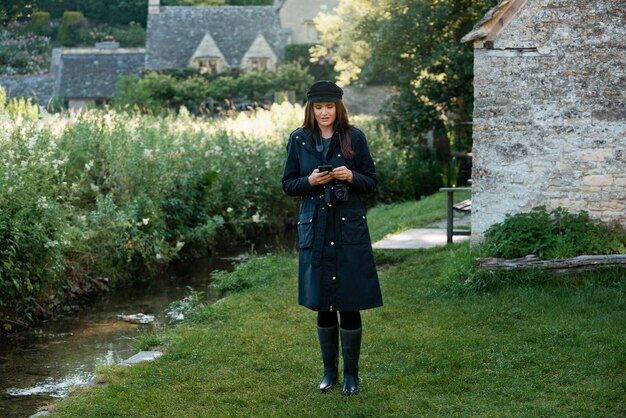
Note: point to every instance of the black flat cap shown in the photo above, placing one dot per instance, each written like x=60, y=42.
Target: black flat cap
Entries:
x=324, y=91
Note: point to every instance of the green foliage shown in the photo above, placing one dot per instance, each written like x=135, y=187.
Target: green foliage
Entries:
x=299, y=54
x=551, y=235
x=40, y=23
x=159, y=92
x=554, y=234
x=71, y=25
x=22, y=108
x=415, y=46
x=193, y=2
x=3, y=99
x=23, y=52
x=256, y=271
x=106, y=194
x=550, y=351
x=192, y=309
x=114, y=12
x=131, y=35
x=405, y=173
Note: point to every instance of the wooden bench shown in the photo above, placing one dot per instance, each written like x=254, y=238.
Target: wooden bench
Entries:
x=464, y=206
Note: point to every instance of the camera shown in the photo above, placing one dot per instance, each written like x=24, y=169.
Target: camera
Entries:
x=337, y=192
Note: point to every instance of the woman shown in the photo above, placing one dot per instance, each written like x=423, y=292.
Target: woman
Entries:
x=329, y=166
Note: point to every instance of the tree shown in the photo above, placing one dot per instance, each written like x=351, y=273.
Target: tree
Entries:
x=415, y=46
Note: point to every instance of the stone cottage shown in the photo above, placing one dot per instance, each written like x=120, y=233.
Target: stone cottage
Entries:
x=209, y=38
x=214, y=38
x=549, y=109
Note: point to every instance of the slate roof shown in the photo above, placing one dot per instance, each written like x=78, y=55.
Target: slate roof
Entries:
x=484, y=25
x=174, y=34
x=38, y=87
x=86, y=74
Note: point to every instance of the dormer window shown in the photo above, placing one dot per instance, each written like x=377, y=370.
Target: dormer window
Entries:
x=259, y=63
x=208, y=65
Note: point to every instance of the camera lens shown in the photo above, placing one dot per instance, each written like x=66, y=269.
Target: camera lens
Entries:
x=340, y=194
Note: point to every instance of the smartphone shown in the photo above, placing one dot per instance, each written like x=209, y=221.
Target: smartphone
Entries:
x=325, y=168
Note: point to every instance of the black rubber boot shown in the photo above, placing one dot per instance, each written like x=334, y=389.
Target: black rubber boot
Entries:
x=351, y=348
x=329, y=343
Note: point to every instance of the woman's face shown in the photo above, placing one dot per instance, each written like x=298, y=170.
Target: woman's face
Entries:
x=325, y=114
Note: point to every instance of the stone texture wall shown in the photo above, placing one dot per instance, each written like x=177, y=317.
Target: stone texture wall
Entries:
x=294, y=14
x=550, y=113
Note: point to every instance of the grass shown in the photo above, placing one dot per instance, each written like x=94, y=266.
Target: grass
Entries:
x=551, y=350
x=390, y=219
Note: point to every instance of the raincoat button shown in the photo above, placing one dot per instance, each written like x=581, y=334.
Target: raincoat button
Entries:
x=343, y=219
x=332, y=243
x=338, y=155
x=334, y=277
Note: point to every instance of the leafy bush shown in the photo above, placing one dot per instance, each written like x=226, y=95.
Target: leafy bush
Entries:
x=40, y=23
x=71, y=26
x=551, y=235
x=159, y=92
x=131, y=35
x=299, y=54
x=110, y=195
x=23, y=52
x=554, y=234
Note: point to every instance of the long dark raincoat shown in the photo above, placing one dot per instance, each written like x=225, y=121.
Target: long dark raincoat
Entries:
x=336, y=263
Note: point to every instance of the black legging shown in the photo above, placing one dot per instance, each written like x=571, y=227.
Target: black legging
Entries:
x=350, y=320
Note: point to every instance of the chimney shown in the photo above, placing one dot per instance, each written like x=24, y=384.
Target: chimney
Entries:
x=154, y=7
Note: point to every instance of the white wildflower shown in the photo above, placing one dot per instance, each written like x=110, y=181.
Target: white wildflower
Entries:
x=145, y=221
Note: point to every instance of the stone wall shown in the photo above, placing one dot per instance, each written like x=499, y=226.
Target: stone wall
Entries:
x=295, y=13
x=550, y=113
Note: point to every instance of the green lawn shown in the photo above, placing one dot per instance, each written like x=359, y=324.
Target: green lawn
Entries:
x=554, y=350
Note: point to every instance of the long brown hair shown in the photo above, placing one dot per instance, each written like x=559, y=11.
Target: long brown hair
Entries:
x=343, y=125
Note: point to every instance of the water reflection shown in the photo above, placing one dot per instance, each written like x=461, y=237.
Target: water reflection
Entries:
x=58, y=356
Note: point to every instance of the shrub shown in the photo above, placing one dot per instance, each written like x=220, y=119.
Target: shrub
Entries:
x=299, y=54
x=72, y=24
x=111, y=195
x=550, y=235
x=160, y=91
x=547, y=234
x=40, y=23
x=23, y=52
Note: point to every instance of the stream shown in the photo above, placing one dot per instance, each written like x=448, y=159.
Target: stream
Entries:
x=59, y=355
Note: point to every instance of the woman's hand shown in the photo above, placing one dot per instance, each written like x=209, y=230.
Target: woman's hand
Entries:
x=342, y=173
x=318, y=178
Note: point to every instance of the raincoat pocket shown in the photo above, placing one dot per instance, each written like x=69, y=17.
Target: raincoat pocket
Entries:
x=305, y=230
x=354, y=227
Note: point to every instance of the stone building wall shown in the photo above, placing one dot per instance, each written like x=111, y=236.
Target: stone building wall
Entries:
x=550, y=113
x=297, y=15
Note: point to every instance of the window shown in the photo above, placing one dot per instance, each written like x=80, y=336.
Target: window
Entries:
x=259, y=63
x=208, y=65
x=310, y=32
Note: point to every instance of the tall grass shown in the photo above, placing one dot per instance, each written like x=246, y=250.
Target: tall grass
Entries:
x=86, y=199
